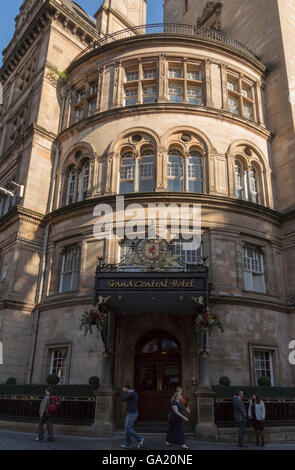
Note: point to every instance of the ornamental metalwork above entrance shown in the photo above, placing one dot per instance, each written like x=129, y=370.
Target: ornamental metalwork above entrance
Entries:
x=157, y=282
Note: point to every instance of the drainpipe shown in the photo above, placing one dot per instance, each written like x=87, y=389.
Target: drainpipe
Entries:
x=42, y=265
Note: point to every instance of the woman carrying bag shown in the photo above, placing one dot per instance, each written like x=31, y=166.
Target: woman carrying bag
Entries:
x=256, y=413
x=176, y=418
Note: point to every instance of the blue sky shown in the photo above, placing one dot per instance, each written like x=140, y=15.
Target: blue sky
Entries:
x=10, y=9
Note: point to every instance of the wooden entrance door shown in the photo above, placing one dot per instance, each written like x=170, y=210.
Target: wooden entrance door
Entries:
x=157, y=374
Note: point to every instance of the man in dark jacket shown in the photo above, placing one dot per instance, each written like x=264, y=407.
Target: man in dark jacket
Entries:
x=240, y=416
x=131, y=399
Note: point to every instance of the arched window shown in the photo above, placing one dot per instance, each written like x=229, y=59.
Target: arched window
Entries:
x=195, y=172
x=175, y=171
x=77, y=184
x=127, y=173
x=84, y=181
x=72, y=187
x=240, y=180
x=253, y=185
x=247, y=183
x=147, y=171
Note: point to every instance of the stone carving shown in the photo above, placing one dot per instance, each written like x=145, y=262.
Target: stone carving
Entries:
x=211, y=17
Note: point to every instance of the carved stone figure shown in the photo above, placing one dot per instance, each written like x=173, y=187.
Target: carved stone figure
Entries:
x=211, y=17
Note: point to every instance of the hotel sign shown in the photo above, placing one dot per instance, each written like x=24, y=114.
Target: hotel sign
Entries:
x=142, y=292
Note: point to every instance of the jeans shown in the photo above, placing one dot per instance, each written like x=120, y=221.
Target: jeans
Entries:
x=241, y=425
x=45, y=419
x=130, y=433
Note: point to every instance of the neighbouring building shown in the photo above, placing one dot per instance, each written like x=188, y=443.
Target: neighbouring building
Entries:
x=198, y=110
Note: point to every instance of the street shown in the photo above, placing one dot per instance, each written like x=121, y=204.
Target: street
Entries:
x=26, y=441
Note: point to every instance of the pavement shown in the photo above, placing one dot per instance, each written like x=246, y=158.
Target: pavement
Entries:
x=10, y=440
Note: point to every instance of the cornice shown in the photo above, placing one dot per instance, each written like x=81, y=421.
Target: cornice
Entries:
x=61, y=301
x=125, y=111
x=16, y=305
x=206, y=200
x=173, y=40
x=20, y=213
x=268, y=303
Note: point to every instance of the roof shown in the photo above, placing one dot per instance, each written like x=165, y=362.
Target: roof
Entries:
x=76, y=8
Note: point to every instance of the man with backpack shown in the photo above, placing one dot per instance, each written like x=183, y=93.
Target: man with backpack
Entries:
x=49, y=405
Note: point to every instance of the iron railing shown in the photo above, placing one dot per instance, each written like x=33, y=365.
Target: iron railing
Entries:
x=277, y=412
x=167, y=28
x=25, y=408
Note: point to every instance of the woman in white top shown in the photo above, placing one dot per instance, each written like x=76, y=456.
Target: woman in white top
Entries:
x=256, y=412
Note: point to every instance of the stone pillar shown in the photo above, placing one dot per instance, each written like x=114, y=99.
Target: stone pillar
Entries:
x=205, y=428
x=105, y=395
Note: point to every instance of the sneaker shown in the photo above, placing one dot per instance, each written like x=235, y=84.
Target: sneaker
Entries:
x=123, y=446
x=140, y=443
x=38, y=439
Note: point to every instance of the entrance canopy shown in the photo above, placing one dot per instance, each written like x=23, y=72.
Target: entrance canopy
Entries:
x=153, y=292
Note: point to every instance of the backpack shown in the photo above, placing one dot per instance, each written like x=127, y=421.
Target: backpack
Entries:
x=54, y=404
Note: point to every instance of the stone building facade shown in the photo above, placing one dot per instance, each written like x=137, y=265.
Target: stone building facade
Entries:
x=166, y=115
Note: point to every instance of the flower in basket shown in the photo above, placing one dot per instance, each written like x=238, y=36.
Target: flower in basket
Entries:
x=206, y=322
x=96, y=316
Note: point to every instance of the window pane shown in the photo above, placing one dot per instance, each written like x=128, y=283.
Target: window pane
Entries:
x=233, y=105
x=195, y=186
x=149, y=73
x=58, y=364
x=91, y=107
x=147, y=173
x=132, y=75
x=194, y=95
x=149, y=94
x=168, y=345
x=151, y=346
x=175, y=185
x=248, y=111
x=175, y=93
x=131, y=96
x=187, y=255
x=175, y=72
x=126, y=187
x=193, y=74
x=70, y=269
x=239, y=172
x=232, y=86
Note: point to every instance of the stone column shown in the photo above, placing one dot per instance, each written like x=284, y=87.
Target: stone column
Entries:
x=104, y=422
x=205, y=427
x=162, y=74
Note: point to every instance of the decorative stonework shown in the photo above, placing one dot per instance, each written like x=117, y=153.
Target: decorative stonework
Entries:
x=211, y=17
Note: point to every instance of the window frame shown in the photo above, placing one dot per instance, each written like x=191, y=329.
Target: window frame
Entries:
x=49, y=347
x=180, y=164
x=125, y=156
x=242, y=91
x=257, y=273
x=273, y=350
x=147, y=154
x=72, y=272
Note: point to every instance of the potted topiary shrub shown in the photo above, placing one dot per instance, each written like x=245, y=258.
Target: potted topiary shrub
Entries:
x=94, y=382
x=53, y=379
x=264, y=381
x=11, y=381
x=225, y=381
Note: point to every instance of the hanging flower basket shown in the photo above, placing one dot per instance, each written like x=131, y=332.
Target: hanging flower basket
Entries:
x=206, y=322
x=204, y=326
x=96, y=317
